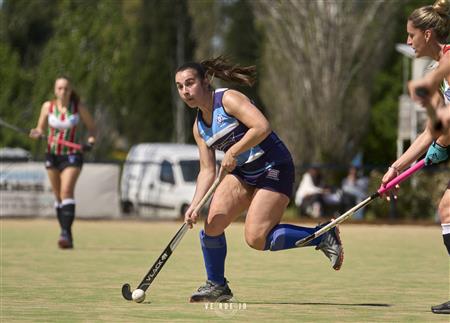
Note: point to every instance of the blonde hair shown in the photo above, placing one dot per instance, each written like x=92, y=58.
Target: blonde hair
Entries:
x=435, y=17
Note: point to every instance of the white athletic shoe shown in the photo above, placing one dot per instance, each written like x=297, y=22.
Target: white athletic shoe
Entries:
x=331, y=246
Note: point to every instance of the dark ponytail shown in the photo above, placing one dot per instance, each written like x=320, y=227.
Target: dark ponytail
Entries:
x=221, y=68
x=74, y=97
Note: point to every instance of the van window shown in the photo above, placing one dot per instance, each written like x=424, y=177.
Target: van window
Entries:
x=190, y=169
x=166, y=174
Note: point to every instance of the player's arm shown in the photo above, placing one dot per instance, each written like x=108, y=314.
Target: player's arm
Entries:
x=239, y=106
x=207, y=172
x=205, y=177
x=444, y=116
x=435, y=104
x=443, y=112
x=88, y=121
x=431, y=81
x=417, y=149
x=41, y=126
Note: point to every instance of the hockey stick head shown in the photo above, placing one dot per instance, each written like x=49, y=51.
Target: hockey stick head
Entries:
x=126, y=292
x=157, y=266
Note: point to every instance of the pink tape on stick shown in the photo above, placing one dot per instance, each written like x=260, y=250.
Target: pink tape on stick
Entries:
x=400, y=178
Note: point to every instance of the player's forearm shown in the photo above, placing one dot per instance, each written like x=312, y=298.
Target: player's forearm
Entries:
x=88, y=121
x=443, y=114
x=417, y=148
x=444, y=140
x=252, y=137
x=442, y=71
x=205, y=179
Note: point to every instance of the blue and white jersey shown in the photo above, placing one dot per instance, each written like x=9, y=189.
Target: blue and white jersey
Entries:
x=226, y=130
x=267, y=165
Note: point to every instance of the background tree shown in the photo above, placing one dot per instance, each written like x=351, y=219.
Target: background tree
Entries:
x=25, y=28
x=320, y=59
x=242, y=41
x=320, y=63
x=120, y=56
x=87, y=44
x=379, y=143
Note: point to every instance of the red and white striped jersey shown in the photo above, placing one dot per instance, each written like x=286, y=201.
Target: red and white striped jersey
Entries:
x=62, y=126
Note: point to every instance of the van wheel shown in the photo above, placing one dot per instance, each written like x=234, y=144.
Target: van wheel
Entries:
x=127, y=207
x=183, y=210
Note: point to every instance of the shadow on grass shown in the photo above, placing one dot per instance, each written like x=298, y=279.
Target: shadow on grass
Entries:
x=126, y=249
x=148, y=302
x=317, y=303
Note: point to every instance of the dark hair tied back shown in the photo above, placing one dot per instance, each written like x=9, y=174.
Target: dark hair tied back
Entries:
x=221, y=68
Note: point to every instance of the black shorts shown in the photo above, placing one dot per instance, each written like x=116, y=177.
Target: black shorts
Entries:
x=60, y=162
x=273, y=171
x=274, y=177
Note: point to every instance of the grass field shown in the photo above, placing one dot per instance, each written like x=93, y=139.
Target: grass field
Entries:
x=390, y=274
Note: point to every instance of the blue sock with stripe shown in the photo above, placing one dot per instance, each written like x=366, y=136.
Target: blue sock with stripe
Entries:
x=214, y=254
x=284, y=236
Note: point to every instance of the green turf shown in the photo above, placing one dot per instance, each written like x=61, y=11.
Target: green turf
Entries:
x=390, y=274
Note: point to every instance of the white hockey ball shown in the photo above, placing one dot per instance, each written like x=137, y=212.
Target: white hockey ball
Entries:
x=138, y=295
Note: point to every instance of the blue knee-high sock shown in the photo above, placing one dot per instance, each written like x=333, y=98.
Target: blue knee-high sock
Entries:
x=214, y=253
x=284, y=236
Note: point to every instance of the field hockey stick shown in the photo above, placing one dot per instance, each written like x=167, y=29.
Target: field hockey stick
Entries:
x=423, y=93
x=383, y=189
x=67, y=143
x=42, y=137
x=162, y=259
x=12, y=127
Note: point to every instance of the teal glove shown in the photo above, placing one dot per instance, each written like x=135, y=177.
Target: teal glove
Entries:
x=436, y=154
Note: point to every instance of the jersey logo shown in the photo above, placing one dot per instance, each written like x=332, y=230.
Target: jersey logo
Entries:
x=220, y=118
x=228, y=141
x=273, y=174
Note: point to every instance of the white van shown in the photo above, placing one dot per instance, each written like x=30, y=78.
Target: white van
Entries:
x=158, y=179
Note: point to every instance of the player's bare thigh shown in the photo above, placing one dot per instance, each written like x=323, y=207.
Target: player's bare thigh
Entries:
x=265, y=211
x=231, y=199
x=444, y=206
x=69, y=178
x=55, y=181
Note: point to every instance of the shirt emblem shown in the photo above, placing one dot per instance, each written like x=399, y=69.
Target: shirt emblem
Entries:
x=273, y=174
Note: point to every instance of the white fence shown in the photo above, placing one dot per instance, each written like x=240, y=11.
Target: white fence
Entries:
x=25, y=190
